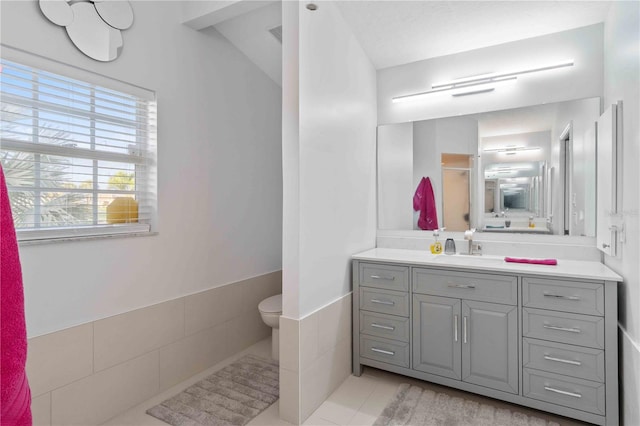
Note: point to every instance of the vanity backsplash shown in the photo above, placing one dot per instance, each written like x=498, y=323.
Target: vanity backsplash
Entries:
x=530, y=246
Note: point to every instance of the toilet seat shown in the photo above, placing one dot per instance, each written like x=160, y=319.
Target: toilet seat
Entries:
x=271, y=305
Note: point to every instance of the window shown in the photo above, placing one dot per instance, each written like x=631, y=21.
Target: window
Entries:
x=79, y=159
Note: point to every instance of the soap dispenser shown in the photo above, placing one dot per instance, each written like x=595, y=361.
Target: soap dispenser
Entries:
x=436, y=247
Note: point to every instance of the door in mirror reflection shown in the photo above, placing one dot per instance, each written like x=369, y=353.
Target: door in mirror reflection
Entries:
x=456, y=190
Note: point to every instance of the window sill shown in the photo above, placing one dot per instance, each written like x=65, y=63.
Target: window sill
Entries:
x=26, y=243
x=55, y=235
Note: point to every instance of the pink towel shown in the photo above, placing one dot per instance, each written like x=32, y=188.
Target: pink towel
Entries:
x=532, y=261
x=424, y=201
x=15, y=408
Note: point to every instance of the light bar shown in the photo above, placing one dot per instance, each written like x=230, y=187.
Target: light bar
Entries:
x=477, y=81
x=509, y=169
x=475, y=92
x=513, y=149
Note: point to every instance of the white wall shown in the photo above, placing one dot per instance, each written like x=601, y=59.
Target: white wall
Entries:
x=219, y=161
x=432, y=138
x=336, y=162
x=329, y=159
x=583, y=80
x=621, y=71
x=337, y=155
x=290, y=162
x=395, y=176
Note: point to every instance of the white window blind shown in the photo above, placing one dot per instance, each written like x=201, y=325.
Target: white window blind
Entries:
x=75, y=155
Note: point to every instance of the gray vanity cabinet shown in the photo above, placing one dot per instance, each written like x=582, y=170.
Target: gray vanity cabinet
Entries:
x=490, y=345
x=476, y=342
x=383, y=314
x=546, y=342
x=436, y=335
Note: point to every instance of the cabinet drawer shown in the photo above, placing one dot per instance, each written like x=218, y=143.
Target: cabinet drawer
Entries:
x=384, y=301
x=565, y=296
x=574, y=361
x=384, y=276
x=465, y=285
x=381, y=325
x=567, y=391
x=575, y=329
x=385, y=350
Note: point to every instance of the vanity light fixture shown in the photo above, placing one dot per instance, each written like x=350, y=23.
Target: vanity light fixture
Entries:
x=477, y=81
x=494, y=171
x=511, y=169
x=512, y=150
x=475, y=92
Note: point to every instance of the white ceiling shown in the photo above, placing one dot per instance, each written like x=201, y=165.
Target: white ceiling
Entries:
x=249, y=32
x=399, y=32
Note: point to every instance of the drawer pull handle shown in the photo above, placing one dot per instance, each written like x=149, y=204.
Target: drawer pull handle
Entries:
x=378, y=277
x=559, y=296
x=565, y=361
x=455, y=328
x=460, y=285
x=555, y=327
x=383, y=302
x=382, y=351
x=550, y=389
x=384, y=327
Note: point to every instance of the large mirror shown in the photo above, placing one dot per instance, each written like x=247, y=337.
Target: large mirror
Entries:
x=524, y=170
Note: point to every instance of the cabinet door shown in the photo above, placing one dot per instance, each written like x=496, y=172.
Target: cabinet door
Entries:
x=490, y=345
x=436, y=335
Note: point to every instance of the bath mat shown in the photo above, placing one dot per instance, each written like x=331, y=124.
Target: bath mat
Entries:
x=231, y=396
x=413, y=405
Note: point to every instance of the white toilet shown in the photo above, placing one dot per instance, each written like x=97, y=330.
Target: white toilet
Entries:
x=270, y=311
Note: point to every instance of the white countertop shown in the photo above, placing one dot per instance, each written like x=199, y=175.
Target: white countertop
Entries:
x=564, y=268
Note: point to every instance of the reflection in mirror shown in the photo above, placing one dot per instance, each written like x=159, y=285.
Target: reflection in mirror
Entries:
x=514, y=197
x=92, y=36
x=528, y=170
x=516, y=165
x=93, y=27
x=117, y=14
x=456, y=191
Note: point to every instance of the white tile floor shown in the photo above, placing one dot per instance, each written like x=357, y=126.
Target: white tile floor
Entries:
x=358, y=401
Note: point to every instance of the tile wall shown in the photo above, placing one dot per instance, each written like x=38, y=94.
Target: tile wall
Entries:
x=87, y=374
x=315, y=358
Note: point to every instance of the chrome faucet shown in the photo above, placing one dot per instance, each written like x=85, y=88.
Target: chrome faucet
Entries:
x=468, y=235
